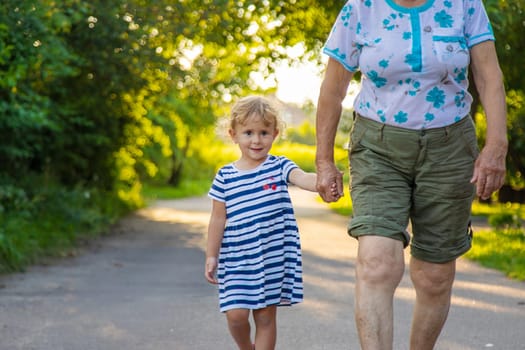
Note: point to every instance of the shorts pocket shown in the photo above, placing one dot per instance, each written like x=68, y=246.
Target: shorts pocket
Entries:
x=470, y=140
x=356, y=136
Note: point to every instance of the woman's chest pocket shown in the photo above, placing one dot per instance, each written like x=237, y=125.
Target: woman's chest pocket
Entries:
x=450, y=47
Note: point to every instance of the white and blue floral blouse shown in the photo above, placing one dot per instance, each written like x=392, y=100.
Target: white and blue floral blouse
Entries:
x=414, y=61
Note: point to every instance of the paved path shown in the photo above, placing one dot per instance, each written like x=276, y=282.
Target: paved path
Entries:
x=142, y=288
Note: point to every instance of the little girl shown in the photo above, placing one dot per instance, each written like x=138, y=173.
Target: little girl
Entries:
x=253, y=242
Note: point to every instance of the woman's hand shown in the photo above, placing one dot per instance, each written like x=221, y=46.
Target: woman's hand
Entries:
x=489, y=170
x=329, y=182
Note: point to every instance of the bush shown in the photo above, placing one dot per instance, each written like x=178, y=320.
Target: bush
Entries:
x=38, y=221
x=504, y=220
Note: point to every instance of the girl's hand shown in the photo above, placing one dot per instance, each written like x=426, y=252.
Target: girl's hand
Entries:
x=211, y=269
x=335, y=191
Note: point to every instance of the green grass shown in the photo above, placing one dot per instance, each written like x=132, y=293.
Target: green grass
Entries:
x=187, y=188
x=51, y=222
x=500, y=249
x=503, y=246
x=484, y=209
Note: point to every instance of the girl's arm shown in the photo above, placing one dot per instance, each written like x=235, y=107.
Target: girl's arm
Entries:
x=304, y=180
x=308, y=181
x=215, y=234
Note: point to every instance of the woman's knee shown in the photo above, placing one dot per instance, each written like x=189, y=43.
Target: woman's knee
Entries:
x=379, y=271
x=432, y=278
x=380, y=261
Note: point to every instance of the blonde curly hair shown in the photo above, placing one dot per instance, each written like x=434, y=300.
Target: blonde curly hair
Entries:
x=254, y=105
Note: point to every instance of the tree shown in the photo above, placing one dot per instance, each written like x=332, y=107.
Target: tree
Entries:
x=29, y=48
x=102, y=94
x=109, y=94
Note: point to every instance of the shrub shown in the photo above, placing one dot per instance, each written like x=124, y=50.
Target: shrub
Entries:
x=504, y=220
x=38, y=219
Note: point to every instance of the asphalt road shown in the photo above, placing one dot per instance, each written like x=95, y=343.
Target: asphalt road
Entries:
x=142, y=288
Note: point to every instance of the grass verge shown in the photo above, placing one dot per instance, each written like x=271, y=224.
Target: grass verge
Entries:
x=51, y=222
x=500, y=249
x=184, y=189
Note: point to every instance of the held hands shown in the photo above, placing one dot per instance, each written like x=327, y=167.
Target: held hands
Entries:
x=329, y=182
x=335, y=192
x=489, y=170
x=211, y=269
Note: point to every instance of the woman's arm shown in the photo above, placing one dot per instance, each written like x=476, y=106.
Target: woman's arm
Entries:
x=489, y=170
x=329, y=106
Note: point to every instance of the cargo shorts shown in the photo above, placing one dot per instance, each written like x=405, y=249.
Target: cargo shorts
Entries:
x=422, y=177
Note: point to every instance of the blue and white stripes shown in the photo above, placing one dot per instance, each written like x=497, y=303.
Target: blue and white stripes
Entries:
x=260, y=256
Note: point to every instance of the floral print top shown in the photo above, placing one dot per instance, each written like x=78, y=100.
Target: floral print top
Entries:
x=414, y=61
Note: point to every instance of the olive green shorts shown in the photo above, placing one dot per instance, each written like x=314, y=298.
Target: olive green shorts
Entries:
x=418, y=176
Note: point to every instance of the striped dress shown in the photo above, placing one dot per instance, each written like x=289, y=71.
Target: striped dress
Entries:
x=260, y=255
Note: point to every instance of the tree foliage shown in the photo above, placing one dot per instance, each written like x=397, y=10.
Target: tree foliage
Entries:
x=106, y=93
x=111, y=93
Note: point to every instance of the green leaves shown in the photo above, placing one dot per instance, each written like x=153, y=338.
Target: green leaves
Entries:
x=83, y=83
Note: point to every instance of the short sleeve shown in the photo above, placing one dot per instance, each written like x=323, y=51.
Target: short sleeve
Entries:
x=287, y=166
x=217, y=189
x=477, y=23
x=341, y=44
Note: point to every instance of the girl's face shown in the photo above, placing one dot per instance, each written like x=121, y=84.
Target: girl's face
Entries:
x=255, y=140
